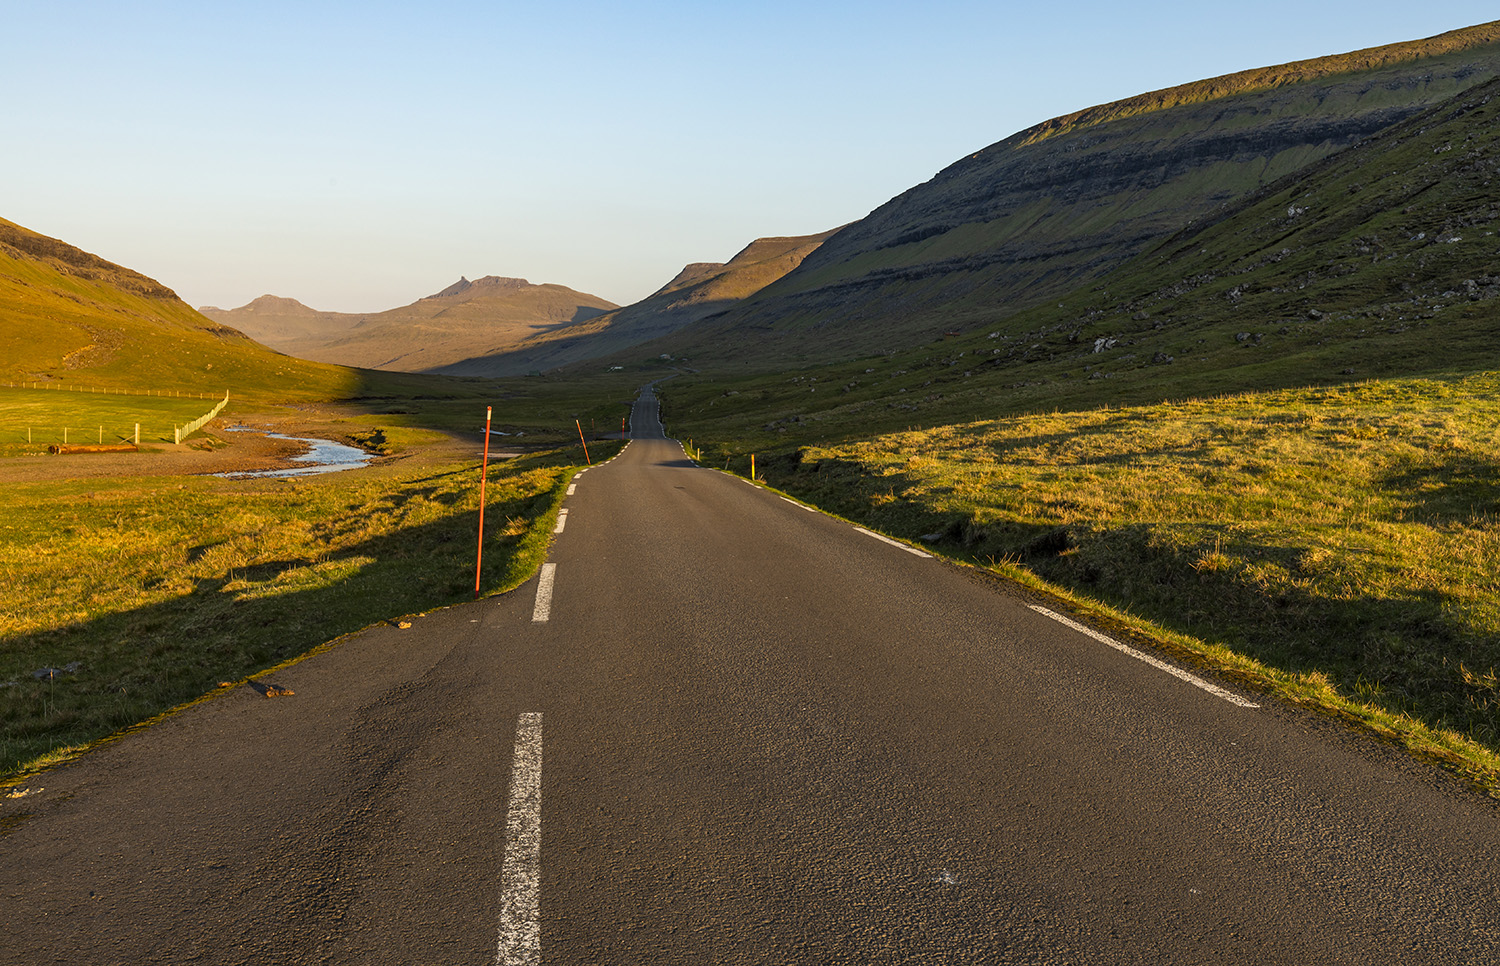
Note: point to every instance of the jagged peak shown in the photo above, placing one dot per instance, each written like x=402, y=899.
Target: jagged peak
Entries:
x=490, y=282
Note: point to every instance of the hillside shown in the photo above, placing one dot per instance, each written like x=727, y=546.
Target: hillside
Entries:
x=463, y=321
x=699, y=291
x=1031, y=217
x=73, y=318
x=275, y=322
x=1377, y=262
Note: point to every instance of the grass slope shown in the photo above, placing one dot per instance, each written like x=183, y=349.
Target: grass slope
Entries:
x=155, y=589
x=71, y=318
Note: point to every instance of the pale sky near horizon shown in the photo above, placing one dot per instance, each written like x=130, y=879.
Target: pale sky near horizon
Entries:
x=358, y=156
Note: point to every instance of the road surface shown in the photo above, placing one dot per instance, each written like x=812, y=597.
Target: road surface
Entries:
x=722, y=728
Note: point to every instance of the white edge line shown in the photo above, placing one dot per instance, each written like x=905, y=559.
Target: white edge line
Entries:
x=520, y=877
x=895, y=543
x=572, y=488
x=800, y=506
x=562, y=520
x=543, y=611
x=1176, y=672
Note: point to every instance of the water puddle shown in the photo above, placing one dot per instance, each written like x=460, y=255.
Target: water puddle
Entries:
x=322, y=456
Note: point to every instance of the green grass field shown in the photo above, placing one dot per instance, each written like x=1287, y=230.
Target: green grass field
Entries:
x=33, y=419
x=158, y=588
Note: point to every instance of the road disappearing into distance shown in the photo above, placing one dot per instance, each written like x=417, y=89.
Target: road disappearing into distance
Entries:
x=719, y=727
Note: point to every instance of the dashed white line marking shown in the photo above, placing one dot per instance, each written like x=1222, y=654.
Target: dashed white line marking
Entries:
x=1176, y=672
x=562, y=520
x=895, y=543
x=800, y=506
x=520, y=876
x=543, y=610
x=572, y=488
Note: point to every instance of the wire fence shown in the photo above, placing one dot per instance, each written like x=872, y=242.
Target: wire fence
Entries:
x=111, y=391
x=37, y=422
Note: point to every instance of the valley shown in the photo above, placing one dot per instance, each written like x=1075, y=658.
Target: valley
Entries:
x=1215, y=370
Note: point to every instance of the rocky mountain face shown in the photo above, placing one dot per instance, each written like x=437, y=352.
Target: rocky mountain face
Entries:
x=24, y=244
x=1050, y=208
x=489, y=285
x=464, y=320
x=699, y=291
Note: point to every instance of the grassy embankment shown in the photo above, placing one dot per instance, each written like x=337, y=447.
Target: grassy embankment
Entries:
x=159, y=587
x=1340, y=547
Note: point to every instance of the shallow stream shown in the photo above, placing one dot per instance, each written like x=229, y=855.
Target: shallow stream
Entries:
x=322, y=456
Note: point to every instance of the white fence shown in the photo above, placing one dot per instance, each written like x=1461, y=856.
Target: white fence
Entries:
x=181, y=433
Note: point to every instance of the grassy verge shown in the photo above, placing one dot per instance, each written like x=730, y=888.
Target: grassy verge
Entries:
x=157, y=588
x=1340, y=546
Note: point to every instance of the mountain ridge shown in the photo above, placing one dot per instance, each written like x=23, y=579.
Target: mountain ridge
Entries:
x=465, y=319
x=1030, y=217
x=699, y=291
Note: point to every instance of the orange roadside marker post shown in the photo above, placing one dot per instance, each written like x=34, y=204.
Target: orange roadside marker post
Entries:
x=483, y=472
x=584, y=442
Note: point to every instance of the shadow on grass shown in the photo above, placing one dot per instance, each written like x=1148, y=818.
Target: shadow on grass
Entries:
x=1456, y=491
x=1410, y=651
x=137, y=663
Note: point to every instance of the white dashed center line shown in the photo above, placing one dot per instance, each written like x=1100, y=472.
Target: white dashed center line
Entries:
x=1176, y=672
x=520, y=877
x=543, y=611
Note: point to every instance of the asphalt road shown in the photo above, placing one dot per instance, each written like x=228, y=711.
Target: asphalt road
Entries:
x=737, y=731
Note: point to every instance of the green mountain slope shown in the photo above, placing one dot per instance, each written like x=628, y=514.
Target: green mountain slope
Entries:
x=465, y=320
x=1381, y=261
x=700, y=290
x=71, y=318
x=1039, y=213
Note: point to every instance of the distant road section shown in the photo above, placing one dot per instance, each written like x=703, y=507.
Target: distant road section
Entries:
x=769, y=738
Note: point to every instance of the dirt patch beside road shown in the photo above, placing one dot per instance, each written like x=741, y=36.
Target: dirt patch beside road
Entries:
x=246, y=452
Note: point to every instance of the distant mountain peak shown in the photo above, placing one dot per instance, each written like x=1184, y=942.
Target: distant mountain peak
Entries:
x=489, y=282
x=276, y=305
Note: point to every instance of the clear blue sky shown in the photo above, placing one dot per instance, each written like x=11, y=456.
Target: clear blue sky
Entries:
x=357, y=156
